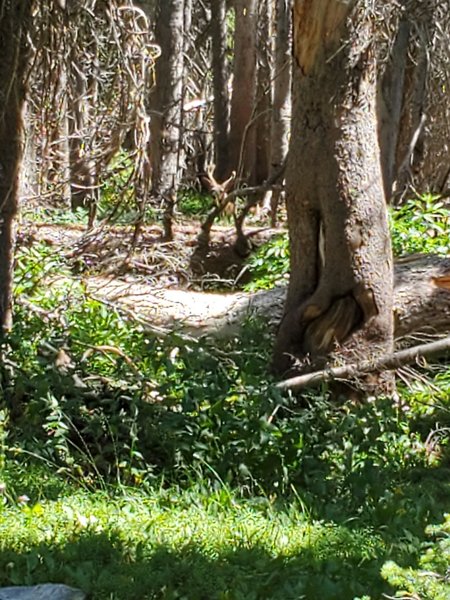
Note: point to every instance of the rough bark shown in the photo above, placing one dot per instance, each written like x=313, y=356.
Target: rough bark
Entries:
x=341, y=286
x=220, y=86
x=281, y=109
x=14, y=23
x=242, y=131
x=166, y=106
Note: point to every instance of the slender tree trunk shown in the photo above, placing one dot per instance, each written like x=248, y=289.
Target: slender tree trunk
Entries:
x=242, y=131
x=390, y=102
x=415, y=102
x=281, y=110
x=166, y=106
x=341, y=288
x=220, y=86
x=14, y=22
x=263, y=92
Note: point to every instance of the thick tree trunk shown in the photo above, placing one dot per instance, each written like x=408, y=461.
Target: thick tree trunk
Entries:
x=220, y=86
x=242, y=131
x=14, y=22
x=166, y=106
x=341, y=287
x=281, y=110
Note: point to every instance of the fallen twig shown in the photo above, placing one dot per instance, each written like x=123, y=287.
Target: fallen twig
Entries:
x=391, y=361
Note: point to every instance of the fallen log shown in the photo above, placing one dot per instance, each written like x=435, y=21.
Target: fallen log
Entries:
x=421, y=302
x=350, y=371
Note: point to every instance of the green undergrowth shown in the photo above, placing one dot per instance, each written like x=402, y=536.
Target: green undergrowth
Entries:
x=174, y=468
x=168, y=544
x=420, y=225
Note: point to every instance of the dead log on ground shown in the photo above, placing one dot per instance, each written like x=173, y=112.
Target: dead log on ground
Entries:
x=422, y=301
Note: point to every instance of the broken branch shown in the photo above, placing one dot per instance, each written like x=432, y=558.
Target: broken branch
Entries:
x=391, y=361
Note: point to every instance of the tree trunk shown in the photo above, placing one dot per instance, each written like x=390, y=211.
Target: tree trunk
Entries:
x=14, y=22
x=220, y=86
x=166, y=106
x=281, y=110
x=415, y=102
x=341, y=287
x=263, y=106
x=390, y=101
x=242, y=132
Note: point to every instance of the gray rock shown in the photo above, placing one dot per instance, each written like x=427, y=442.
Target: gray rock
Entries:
x=46, y=591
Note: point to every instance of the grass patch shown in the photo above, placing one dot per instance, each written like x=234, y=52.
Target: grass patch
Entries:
x=169, y=544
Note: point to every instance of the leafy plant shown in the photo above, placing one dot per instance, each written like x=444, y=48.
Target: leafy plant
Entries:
x=192, y=203
x=431, y=580
x=421, y=225
x=269, y=266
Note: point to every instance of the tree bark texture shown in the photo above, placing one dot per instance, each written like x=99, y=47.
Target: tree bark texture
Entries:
x=219, y=65
x=390, y=103
x=14, y=22
x=281, y=106
x=242, y=130
x=341, y=286
x=166, y=105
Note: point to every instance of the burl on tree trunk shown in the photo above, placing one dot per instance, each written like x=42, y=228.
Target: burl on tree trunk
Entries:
x=341, y=289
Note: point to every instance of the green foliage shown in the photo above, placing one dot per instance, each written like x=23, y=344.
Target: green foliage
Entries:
x=99, y=399
x=192, y=203
x=269, y=266
x=421, y=225
x=431, y=580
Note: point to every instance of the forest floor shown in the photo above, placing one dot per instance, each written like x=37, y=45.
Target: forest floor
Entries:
x=154, y=279
x=170, y=467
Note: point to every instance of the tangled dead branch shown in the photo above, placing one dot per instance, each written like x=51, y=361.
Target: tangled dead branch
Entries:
x=87, y=90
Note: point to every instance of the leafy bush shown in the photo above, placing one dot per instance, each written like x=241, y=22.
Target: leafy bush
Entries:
x=269, y=265
x=192, y=203
x=431, y=581
x=419, y=225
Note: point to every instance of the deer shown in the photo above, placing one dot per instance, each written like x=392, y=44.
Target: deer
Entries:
x=220, y=191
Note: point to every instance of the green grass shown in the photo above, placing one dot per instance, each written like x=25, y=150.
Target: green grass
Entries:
x=169, y=544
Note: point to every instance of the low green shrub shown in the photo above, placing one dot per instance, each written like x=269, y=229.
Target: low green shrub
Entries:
x=431, y=579
x=419, y=225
